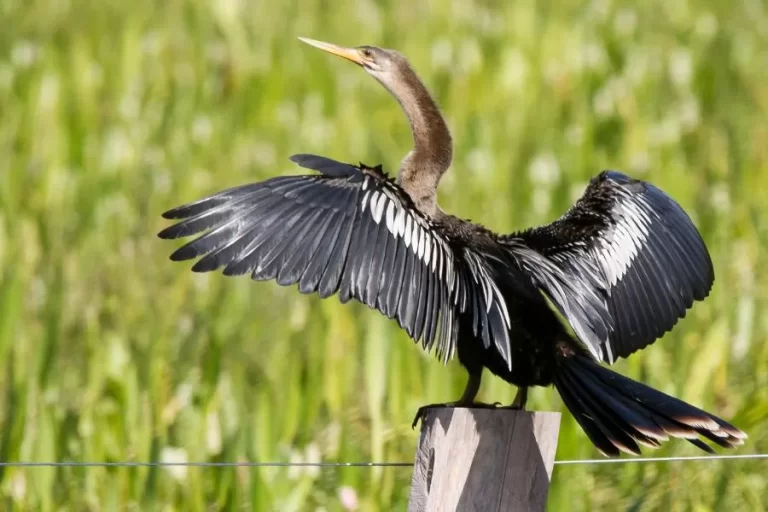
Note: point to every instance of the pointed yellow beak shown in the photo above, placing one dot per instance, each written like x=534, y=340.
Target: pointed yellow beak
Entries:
x=347, y=53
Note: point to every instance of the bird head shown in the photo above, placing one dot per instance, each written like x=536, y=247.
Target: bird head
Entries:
x=384, y=65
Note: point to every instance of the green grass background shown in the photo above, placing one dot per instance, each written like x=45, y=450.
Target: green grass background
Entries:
x=112, y=112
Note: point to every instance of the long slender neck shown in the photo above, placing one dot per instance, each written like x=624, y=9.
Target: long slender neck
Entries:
x=422, y=168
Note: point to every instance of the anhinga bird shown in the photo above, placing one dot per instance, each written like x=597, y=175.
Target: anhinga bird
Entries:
x=622, y=266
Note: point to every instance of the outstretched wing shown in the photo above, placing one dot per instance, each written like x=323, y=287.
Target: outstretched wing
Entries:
x=632, y=243
x=348, y=230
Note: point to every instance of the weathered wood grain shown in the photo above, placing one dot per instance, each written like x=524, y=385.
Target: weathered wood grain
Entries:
x=484, y=460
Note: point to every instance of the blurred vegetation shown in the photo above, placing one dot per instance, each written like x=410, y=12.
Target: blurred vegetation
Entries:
x=112, y=112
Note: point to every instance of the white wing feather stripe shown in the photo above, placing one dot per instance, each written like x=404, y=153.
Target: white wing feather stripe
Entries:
x=409, y=224
x=616, y=253
x=435, y=254
x=412, y=229
x=377, y=206
x=400, y=221
x=415, y=237
x=391, y=217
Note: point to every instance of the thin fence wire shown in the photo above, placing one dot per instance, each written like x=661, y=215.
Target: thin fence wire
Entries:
x=129, y=464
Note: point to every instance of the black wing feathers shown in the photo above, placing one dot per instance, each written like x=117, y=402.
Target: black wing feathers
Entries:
x=633, y=245
x=348, y=231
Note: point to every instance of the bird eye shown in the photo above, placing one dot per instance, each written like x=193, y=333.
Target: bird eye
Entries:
x=367, y=52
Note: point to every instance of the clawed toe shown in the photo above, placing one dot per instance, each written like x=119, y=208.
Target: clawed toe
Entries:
x=420, y=414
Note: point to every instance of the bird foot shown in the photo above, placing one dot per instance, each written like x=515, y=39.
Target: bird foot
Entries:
x=513, y=406
x=459, y=403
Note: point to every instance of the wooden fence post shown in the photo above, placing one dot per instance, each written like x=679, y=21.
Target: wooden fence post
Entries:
x=484, y=460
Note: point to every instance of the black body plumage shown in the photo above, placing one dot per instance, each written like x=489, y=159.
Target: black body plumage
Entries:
x=622, y=266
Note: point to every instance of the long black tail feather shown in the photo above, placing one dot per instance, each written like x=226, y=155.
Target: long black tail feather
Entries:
x=619, y=414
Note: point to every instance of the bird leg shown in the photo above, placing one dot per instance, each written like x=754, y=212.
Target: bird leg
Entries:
x=521, y=398
x=467, y=399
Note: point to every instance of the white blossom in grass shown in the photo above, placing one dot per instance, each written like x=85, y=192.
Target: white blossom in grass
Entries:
x=295, y=470
x=515, y=70
x=202, y=129
x=639, y=162
x=720, y=198
x=94, y=75
x=599, y=10
x=287, y=114
x=175, y=457
x=184, y=325
x=85, y=427
x=201, y=282
x=319, y=133
x=480, y=163
x=24, y=53
x=681, y=67
x=228, y=11
x=118, y=357
x=161, y=180
x=48, y=94
x=368, y=15
x=201, y=178
x=299, y=315
x=595, y=56
x=129, y=107
x=249, y=153
x=151, y=44
x=603, y=103
x=689, y=114
x=665, y=133
x=706, y=26
x=38, y=293
x=606, y=100
x=118, y=151
x=18, y=487
x=312, y=106
x=442, y=54
x=312, y=455
x=348, y=498
x=637, y=65
x=544, y=170
x=625, y=22
x=574, y=134
x=470, y=56
x=213, y=433
x=264, y=153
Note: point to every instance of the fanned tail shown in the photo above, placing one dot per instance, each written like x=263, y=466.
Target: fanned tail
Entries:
x=619, y=414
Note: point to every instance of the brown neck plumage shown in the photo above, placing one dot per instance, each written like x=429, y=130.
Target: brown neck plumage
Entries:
x=432, y=152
